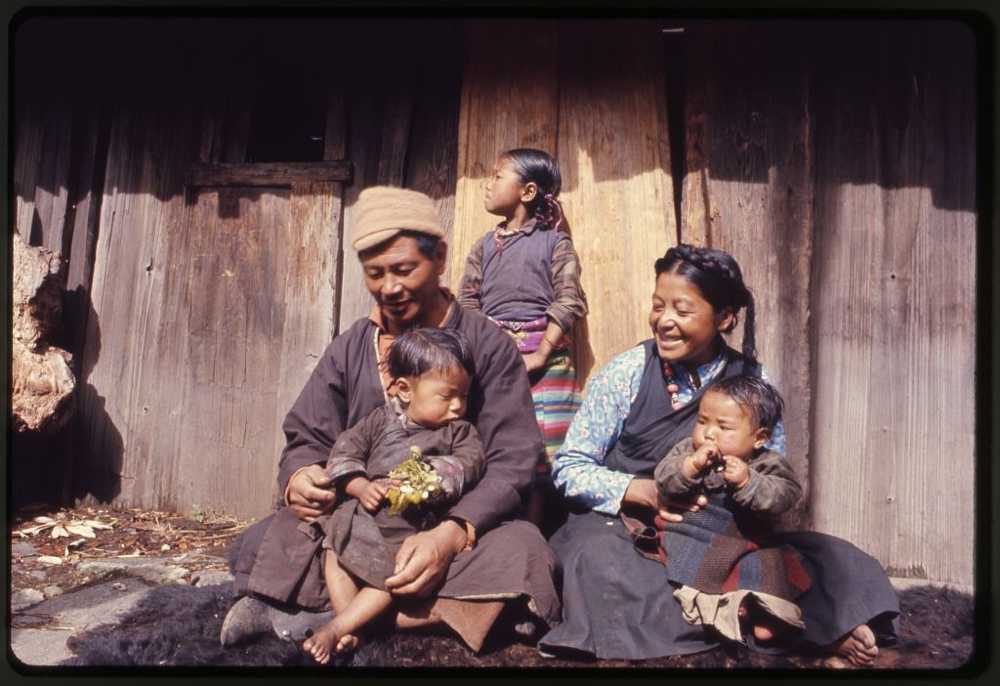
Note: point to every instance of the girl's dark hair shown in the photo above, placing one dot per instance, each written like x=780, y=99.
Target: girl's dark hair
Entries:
x=717, y=275
x=755, y=396
x=421, y=350
x=539, y=167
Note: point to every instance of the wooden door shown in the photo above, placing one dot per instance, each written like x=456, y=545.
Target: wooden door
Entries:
x=213, y=297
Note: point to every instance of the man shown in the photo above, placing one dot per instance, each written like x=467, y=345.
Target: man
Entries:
x=465, y=569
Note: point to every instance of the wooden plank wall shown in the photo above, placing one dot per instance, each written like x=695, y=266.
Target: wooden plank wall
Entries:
x=748, y=187
x=894, y=305
x=837, y=163
x=592, y=94
x=403, y=117
x=209, y=306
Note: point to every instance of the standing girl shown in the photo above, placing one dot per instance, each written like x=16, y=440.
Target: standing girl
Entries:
x=525, y=276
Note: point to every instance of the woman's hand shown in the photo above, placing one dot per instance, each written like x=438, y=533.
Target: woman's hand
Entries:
x=643, y=492
x=309, y=493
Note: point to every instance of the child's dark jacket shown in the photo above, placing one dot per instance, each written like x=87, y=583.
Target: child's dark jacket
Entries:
x=723, y=546
x=366, y=544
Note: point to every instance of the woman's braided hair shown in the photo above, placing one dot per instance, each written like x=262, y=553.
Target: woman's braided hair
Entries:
x=717, y=275
x=539, y=167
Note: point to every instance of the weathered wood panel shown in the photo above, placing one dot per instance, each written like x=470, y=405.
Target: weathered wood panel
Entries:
x=210, y=310
x=41, y=172
x=130, y=395
x=402, y=130
x=748, y=187
x=237, y=267
x=433, y=147
x=268, y=174
x=894, y=297
x=377, y=138
x=506, y=103
x=615, y=157
x=595, y=100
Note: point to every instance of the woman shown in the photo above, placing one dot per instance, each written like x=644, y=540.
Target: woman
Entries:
x=617, y=603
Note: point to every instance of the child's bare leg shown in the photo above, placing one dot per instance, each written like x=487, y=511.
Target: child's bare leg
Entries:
x=337, y=635
x=339, y=584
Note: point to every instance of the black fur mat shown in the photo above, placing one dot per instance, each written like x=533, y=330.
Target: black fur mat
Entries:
x=178, y=626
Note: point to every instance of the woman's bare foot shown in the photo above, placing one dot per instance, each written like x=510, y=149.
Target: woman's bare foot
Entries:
x=858, y=647
x=328, y=641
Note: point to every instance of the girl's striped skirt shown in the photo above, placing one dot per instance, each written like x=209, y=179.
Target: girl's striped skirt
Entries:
x=557, y=397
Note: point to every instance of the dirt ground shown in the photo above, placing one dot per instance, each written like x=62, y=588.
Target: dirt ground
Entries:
x=70, y=535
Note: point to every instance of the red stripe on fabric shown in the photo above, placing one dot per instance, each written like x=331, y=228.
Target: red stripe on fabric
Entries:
x=797, y=575
x=732, y=581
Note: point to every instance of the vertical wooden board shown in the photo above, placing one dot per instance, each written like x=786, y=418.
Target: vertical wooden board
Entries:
x=506, y=102
x=310, y=288
x=378, y=136
x=29, y=131
x=146, y=159
x=433, y=147
x=614, y=154
x=898, y=312
x=749, y=189
x=41, y=173
x=239, y=246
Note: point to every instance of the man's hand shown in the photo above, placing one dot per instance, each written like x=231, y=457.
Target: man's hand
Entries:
x=643, y=492
x=423, y=559
x=309, y=493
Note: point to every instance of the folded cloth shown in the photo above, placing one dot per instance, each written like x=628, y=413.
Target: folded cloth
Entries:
x=720, y=611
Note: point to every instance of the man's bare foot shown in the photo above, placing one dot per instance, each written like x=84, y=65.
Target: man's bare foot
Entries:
x=858, y=647
x=327, y=641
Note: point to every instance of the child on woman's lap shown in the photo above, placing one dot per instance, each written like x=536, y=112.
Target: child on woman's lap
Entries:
x=525, y=275
x=718, y=550
x=431, y=369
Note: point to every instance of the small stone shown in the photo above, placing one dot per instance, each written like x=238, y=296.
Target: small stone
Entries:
x=52, y=591
x=22, y=548
x=165, y=547
x=211, y=577
x=119, y=586
x=25, y=597
x=50, y=560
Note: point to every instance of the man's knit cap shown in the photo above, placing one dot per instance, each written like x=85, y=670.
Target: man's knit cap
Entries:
x=383, y=211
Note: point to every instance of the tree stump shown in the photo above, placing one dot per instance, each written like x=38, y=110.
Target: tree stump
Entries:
x=42, y=377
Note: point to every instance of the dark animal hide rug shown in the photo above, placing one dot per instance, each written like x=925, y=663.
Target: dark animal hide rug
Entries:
x=178, y=626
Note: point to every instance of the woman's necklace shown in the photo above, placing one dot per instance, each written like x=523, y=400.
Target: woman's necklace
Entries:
x=672, y=386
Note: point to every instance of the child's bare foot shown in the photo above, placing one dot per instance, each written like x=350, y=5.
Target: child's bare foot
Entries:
x=327, y=641
x=858, y=647
x=763, y=631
